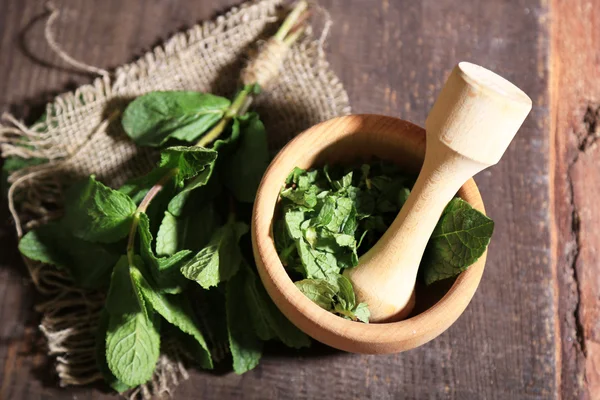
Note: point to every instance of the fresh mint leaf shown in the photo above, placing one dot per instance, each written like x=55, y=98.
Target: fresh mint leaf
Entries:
x=167, y=239
x=123, y=297
x=151, y=119
x=190, y=232
x=220, y=259
x=341, y=214
x=164, y=270
x=176, y=310
x=316, y=263
x=188, y=161
x=325, y=215
x=320, y=291
x=177, y=203
x=293, y=220
x=101, y=362
x=458, y=240
x=294, y=176
x=132, y=348
x=247, y=164
x=96, y=213
x=362, y=313
x=89, y=264
x=302, y=197
x=132, y=338
x=344, y=292
x=335, y=294
x=246, y=347
x=267, y=320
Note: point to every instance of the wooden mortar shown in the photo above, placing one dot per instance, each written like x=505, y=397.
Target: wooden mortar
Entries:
x=356, y=137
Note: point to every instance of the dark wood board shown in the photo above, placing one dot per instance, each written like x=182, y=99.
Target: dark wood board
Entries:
x=393, y=57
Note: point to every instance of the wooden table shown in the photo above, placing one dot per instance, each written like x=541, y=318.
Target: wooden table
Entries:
x=532, y=330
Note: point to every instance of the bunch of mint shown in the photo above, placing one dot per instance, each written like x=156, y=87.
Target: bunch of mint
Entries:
x=331, y=216
x=179, y=233
x=152, y=244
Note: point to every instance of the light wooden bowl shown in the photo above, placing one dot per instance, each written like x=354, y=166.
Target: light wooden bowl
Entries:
x=349, y=139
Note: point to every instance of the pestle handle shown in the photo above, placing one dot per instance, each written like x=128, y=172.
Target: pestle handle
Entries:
x=469, y=127
x=477, y=113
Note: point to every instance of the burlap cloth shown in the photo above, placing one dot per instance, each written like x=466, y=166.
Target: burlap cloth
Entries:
x=80, y=134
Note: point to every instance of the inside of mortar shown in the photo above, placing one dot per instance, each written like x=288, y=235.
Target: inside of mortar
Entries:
x=405, y=149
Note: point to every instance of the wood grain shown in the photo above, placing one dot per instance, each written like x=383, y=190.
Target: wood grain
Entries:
x=575, y=97
x=393, y=57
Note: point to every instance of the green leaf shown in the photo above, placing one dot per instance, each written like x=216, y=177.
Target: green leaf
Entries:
x=132, y=348
x=132, y=339
x=325, y=215
x=335, y=294
x=320, y=291
x=167, y=239
x=245, y=345
x=294, y=175
x=267, y=320
x=246, y=166
x=177, y=203
x=341, y=214
x=459, y=239
x=151, y=119
x=316, y=263
x=164, y=270
x=344, y=291
x=89, y=264
x=362, y=313
x=220, y=259
x=293, y=220
x=188, y=161
x=343, y=183
x=96, y=213
x=190, y=232
x=123, y=297
x=392, y=194
x=176, y=310
x=302, y=197
x=101, y=362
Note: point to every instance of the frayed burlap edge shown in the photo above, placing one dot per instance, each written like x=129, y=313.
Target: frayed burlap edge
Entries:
x=70, y=315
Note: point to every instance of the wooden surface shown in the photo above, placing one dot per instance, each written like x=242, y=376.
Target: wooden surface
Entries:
x=531, y=331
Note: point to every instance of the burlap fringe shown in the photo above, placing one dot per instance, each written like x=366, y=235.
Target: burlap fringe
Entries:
x=73, y=128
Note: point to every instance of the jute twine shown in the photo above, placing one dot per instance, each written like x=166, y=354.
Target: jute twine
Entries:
x=80, y=134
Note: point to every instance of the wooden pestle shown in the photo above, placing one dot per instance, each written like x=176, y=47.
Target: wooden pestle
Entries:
x=471, y=124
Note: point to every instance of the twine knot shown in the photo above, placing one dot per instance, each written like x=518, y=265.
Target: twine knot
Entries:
x=264, y=68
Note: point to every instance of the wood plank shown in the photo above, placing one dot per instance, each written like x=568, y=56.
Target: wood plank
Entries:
x=575, y=128
x=393, y=57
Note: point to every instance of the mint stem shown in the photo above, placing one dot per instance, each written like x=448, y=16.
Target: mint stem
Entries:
x=145, y=203
x=291, y=20
x=239, y=103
